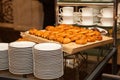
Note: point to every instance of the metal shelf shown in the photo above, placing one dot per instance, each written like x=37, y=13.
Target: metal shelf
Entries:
x=113, y=54
x=85, y=4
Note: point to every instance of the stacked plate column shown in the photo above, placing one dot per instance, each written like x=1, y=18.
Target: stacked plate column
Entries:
x=48, y=61
x=3, y=56
x=20, y=57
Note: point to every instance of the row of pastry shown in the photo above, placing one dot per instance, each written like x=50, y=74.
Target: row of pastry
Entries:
x=67, y=33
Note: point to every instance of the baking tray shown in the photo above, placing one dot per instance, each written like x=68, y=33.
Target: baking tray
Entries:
x=70, y=48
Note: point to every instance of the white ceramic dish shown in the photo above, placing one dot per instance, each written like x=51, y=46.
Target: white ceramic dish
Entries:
x=101, y=30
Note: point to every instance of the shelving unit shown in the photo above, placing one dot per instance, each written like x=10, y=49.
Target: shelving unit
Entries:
x=79, y=4
x=113, y=51
x=86, y=3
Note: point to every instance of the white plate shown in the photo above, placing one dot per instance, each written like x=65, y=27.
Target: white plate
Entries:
x=48, y=46
x=22, y=44
x=102, y=31
x=3, y=46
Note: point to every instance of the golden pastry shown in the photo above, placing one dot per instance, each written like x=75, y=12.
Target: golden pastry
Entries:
x=67, y=33
x=74, y=38
x=38, y=33
x=50, y=28
x=51, y=37
x=46, y=34
x=99, y=38
x=91, y=39
x=33, y=31
x=81, y=41
x=66, y=40
x=97, y=33
x=60, y=39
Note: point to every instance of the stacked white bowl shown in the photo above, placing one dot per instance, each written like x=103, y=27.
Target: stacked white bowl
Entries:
x=48, y=60
x=21, y=57
x=3, y=56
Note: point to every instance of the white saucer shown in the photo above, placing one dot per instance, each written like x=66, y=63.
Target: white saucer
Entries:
x=74, y=14
x=99, y=24
x=100, y=15
x=86, y=25
x=65, y=15
x=68, y=23
x=101, y=30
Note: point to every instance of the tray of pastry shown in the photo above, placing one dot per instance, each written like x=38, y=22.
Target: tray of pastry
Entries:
x=73, y=39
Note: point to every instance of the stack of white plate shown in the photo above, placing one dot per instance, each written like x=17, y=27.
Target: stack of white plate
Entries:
x=3, y=56
x=20, y=57
x=48, y=60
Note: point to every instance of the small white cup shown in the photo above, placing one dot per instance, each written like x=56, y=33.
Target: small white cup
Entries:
x=118, y=8
x=86, y=11
x=87, y=20
x=76, y=17
x=106, y=21
x=107, y=12
x=66, y=20
x=118, y=19
x=67, y=11
x=96, y=10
